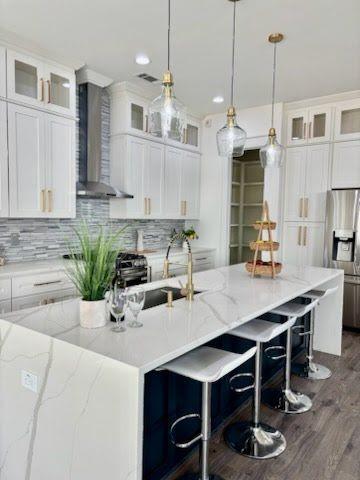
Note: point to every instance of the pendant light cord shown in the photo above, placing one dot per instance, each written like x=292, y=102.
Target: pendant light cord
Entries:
x=273, y=86
x=233, y=57
x=168, y=56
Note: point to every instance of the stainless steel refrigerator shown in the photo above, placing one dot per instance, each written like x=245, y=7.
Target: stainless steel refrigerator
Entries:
x=342, y=247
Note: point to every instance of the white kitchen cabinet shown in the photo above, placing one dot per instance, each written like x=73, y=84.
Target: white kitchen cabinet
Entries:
x=309, y=125
x=41, y=164
x=137, y=167
x=2, y=72
x=303, y=244
x=4, y=201
x=306, y=183
x=40, y=283
x=172, y=181
x=346, y=165
x=42, y=299
x=27, y=175
x=190, y=185
x=37, y=83
x=60, y=166
x=347, y=120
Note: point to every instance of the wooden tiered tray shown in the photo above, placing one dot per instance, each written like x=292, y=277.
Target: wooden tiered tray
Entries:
x=257, y=266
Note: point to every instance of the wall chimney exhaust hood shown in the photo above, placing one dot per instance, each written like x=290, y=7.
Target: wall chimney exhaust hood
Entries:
x=89, y=184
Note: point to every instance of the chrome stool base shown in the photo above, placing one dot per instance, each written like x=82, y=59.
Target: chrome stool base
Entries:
x=312, y=371
x=286, y=401
x=197, y=476
x=259, y=442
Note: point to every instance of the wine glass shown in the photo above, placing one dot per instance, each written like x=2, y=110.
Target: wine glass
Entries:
x=136, y=300
x=117, y=305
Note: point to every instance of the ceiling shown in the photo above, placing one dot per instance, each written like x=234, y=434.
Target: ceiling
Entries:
x=320, y=54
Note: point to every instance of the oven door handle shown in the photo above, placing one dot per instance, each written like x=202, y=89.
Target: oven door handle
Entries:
x=149, y=273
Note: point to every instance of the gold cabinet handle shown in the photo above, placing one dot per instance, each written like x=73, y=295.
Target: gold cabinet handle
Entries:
x=145, y=206
x=42, y=88
x=299, y=236
x=149, y=206
x=304, y=134
x=185, y=207
x=305, y=236
x=301, y=207
x=182, y=208
x=310, y=130
x=306, y=207
x=49, y=91
x=42, y=200
x=49, y=200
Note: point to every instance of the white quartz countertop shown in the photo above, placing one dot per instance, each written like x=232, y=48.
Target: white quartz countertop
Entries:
x=230, y=298
x=15, y=269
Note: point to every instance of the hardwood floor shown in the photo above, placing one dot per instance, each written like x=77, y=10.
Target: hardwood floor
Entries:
x=323, y=444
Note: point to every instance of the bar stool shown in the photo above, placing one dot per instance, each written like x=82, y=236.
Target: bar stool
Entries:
x=255, y=439
x=205, y=365
x=310, y=369
x=284, y=398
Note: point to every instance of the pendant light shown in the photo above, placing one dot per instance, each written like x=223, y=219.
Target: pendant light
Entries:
x=231, y=138
x=167, y=115
x=271, y=154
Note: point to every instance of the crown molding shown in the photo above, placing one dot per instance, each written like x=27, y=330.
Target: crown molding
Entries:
x=86, y=75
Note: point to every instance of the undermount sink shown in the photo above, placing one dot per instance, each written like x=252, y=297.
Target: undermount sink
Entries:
x=158, y=296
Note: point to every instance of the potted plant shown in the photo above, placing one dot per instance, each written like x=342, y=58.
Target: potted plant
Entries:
x=92, y=272
x=190, y=234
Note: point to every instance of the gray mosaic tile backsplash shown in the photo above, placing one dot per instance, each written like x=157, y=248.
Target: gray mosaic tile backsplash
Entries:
x=36, y=239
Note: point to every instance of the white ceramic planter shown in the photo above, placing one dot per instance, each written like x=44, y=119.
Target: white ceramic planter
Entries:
x=92, y=314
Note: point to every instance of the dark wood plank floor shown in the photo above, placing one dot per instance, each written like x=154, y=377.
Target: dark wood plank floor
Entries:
x=323, y=444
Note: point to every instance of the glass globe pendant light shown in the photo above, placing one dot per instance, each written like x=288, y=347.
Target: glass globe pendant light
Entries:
x=231, y=138
x=272, y=154
x=167, y=115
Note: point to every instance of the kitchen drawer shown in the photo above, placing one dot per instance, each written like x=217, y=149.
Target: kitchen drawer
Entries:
x=203, y=266
x=203, y=258
x=5, y=306
x=5, y=289
x=40, y=283
x=42, y=299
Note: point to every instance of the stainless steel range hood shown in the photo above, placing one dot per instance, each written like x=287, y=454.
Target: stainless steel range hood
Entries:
x=89, y=184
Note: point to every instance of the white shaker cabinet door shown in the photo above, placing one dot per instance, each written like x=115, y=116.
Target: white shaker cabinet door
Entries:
x=313, y=241
x=190, y=184
x=154, y=179
x=172, y=178
x=293, y=250
x=295, y=183
x=60, y=166
x=4, y=203
x=346, y=165
x=27, y=182
x=136, y=150
x=316, y=182
x=2, y=72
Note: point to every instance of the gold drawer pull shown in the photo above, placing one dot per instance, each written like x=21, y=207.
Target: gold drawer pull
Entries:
x=299, y=236
x=51, y=282
x=305, y=236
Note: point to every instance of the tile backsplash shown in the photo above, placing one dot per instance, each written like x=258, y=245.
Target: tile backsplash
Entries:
x=34, y=239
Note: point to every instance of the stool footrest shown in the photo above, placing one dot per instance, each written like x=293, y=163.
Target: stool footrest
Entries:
x=190, y=442
x=296, y=329
x=275, y=357
x=242, y=389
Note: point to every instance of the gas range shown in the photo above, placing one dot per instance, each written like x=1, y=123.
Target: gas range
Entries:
x=131, y=267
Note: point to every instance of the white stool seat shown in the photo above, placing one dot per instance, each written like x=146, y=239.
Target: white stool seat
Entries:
x=319, y=294
x=207, y=364
x=261, y=330
x=292, y=309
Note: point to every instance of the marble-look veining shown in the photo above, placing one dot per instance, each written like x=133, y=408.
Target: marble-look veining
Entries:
x=229, y=298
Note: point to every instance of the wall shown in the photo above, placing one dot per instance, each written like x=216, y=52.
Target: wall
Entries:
x=34, y=239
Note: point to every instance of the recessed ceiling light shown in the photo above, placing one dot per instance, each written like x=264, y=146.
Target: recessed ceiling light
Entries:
x=142, y=59
x=218, y=99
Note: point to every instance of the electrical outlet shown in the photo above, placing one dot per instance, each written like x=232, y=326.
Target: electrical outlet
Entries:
x=29, y=381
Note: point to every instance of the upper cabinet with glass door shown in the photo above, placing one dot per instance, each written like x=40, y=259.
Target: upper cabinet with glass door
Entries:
x=347, y=120
x=34, y=82
x=309, y=125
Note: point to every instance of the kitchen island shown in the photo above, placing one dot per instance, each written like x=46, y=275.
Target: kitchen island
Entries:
x=81, y=414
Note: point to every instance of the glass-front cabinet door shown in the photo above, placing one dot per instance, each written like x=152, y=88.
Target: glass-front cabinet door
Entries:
x=60, y=90
x=297, y=127
x=319, y=125
x=25, y=81
x=192, y=135
x=347, y=120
